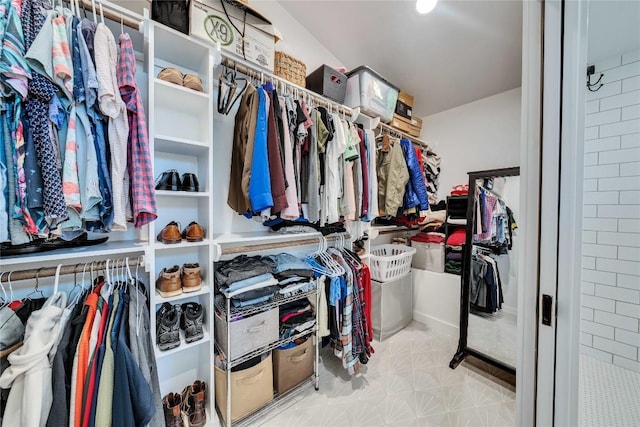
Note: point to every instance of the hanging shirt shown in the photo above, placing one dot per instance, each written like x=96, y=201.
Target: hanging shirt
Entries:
x=291, y=211
x=259, y=183
x=139, y=165
x=114, y=108
x=335, y=148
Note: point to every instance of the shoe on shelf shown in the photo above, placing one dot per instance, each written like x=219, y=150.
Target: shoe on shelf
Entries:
x=191, y=321
x=169, y=180
x=171, y=75
x=193, y=232
x=191, y=279
x=192, y=81
x=170, y=233
x=190, y=182
x=168, y=326
x=169, y=283
x=172, y=405
x=194, y=397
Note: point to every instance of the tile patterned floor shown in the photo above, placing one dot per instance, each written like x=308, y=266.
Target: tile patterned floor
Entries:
x=609, y=394
x=407, y=383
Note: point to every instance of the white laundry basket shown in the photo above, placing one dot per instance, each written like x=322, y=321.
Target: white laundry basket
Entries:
x=390, y=262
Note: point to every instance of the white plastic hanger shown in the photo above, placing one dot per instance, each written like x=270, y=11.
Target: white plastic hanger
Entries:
x=93, y=7
x=6, y=297
x=56, y=281
x=101, y=14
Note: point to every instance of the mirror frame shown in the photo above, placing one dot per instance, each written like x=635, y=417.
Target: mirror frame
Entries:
x=463, y=349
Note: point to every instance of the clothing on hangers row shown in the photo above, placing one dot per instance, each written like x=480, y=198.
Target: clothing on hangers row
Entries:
x=495, y=223
x=81, y=358
x=293, y=162
x=74, y=127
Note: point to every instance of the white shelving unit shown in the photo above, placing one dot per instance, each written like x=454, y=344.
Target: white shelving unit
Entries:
x=181, y=138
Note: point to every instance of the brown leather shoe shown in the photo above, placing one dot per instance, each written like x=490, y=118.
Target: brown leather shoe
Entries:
x=192, y=81
x=193, y=403
x=172, y=405
x=193, y=233
x=168, y=283
x=171, y=75
x=170, y=233
x=191, y=279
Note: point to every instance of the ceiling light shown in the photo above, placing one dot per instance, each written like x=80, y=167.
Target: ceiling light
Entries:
x=425, y=6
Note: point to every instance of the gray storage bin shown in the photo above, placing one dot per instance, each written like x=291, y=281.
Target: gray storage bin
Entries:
x=428, y=256
x=328, y=82
x=392, y=306
x=248, y=334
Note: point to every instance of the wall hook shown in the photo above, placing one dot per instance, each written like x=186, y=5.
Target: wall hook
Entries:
x=593, y=87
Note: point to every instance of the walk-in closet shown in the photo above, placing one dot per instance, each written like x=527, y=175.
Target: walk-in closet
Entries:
x=318, y=213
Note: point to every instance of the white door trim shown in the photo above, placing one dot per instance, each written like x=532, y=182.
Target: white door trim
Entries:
x=528, y=222
x=571, y=194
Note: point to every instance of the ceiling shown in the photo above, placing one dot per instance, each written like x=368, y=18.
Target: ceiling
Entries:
x=614, y=28
x=460, y=52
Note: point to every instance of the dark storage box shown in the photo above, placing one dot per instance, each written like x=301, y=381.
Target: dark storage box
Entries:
x=328, y=82
x=403, y=109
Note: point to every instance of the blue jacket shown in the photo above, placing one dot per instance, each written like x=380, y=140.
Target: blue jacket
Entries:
x=260, y=181
x=416, y=191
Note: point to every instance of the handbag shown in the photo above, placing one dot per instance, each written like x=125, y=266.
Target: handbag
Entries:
x=172, y=13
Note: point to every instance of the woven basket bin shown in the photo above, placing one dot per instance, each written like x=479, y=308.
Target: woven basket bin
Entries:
x=290, y=68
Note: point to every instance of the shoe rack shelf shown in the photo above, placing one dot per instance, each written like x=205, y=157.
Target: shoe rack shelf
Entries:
x=181, y=138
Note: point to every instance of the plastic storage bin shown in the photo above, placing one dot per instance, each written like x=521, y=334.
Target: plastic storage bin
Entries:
x=391, y=306
x=328, y=82
x=389, y=262
x=251, y=389
x=292, y=366
x=428, y=256
x=247, y=334
x=374, y=95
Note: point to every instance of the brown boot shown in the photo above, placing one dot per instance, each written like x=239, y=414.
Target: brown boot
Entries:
x=191, y=279
x=194, y=399
x=172, y=405
x=170, y=233
x=193, y=232
x=168, y=283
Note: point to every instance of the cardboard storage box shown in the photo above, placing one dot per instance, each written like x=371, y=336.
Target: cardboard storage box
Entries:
x=328, y=82
x=368, y=90
x=292, y=366
x=406, y=126
x=210, y=22
x=404, y=106
x=249, y=333
x=428, y=256
x=251, y=389
x=391, y=306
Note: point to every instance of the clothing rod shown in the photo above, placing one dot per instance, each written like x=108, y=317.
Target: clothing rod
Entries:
x=113, y=12
x=391, y=130
x=34, y=273
x=278, y=245
x=244, y=68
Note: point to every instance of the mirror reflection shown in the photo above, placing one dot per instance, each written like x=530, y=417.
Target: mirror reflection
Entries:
x=493, y=269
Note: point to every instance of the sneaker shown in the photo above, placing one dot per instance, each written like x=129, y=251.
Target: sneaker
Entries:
x=172, y=405
x=194, y=397
x=167, y=328
x=191, y=321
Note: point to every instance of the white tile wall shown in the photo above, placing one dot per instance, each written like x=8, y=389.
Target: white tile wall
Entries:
x=610, y=313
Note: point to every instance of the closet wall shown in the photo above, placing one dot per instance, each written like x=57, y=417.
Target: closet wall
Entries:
x=610, y=304
x=486, y=131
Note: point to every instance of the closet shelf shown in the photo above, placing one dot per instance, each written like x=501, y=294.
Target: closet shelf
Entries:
x=180, y=91
x=259, y=351
x=183, y=345
x=167, y=193
x=261, y=237
x=182, y=146
x=248, y=311
x=185, y=295
x=184, y=244
x=102, y=250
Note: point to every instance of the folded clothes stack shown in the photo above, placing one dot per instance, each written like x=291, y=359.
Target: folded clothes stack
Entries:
x=433, y=219
x=453, y=259
x=296, y=317
x=252, y=280
x=428, y=237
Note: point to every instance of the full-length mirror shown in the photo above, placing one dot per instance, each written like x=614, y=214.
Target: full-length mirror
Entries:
x=489, y=280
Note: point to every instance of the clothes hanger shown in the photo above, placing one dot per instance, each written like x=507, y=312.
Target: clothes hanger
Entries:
x=56, y=280
x=121, y=24
x=5, y=297
x=101, y=14
x=36, y=290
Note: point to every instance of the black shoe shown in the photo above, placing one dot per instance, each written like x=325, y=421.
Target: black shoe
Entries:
x=170, y=180
x=167, y=329
x=191, y=321
x=190, y=182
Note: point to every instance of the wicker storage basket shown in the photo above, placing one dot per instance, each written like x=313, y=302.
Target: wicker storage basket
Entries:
x=290, y=68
